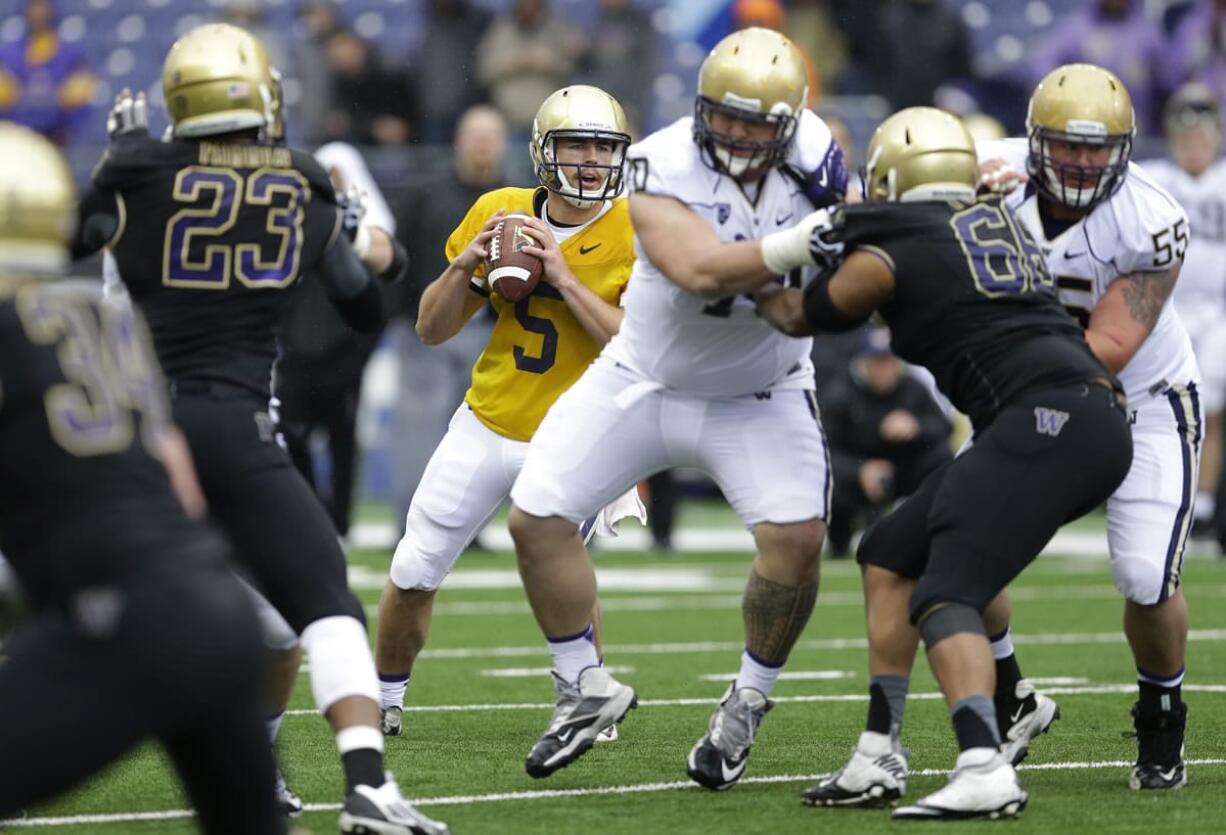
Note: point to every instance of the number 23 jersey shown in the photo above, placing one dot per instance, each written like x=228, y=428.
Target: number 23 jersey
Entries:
x=210, y=236
x=1140, y=228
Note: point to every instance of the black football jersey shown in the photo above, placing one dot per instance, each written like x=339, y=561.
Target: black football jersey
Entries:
x=973, y=301
x=83, y=499
x=213, y=238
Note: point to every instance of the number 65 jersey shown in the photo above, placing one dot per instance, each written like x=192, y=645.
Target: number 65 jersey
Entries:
x=210, y=237
x=1140, y=228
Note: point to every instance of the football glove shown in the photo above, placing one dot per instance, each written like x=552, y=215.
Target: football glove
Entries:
x=129, y=115
x=352, y=206
x=811, y=242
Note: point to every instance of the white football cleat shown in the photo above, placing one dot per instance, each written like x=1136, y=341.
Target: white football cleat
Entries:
x=384, y=811
x=1028, y=715
x=875, y=776
x=582, y=710
x=983, y=785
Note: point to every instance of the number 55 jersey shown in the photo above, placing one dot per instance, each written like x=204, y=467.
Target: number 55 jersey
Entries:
x=222, y=230
x=1140, y=228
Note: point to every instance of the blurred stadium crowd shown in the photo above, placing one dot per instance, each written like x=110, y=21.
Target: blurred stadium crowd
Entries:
x=439, y=95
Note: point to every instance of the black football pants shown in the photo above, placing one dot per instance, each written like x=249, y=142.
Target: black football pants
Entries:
x=281, y=534
x=178, y=659
x=977, y=522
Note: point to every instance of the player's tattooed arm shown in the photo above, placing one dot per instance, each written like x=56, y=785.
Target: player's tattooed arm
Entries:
x=1127, y=313
x=1147, y=292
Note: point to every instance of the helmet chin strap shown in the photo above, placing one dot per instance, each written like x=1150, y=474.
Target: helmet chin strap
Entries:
x=570, y=194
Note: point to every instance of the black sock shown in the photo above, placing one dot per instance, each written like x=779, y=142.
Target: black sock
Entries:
x=878, y=710
x=1158, y=699
x=971, y=726
x=1008, y=674
x=363, y=767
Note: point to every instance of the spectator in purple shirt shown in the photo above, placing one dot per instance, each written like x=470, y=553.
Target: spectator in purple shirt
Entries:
x=1198, y=47
x=1117, y=35
x=44, y=84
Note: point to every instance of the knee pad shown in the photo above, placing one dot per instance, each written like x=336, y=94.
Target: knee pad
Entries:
x=414, y=569
x=341, y=662
x=1139, y=580
x=950, y=619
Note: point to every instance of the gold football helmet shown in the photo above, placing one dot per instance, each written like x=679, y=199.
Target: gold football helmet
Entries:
x=217, y=80
x=583, y=113
x=37, y=203
x=984, y=128
x=1079, y=104
x=754, y=75
x=1194, y=105
x=921, y=153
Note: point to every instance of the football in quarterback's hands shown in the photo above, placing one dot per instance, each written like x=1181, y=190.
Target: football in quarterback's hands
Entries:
x=511, y=272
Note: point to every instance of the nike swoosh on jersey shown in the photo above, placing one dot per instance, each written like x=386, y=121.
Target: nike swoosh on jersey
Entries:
x=780, y=219
x=584, y=250
x=1072, y=255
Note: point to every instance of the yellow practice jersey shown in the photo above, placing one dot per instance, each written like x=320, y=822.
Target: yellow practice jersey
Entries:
x=538, y=348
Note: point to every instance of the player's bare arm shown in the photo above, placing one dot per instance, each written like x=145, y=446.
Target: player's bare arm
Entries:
x=599, y=318
x=177, y=459
x=831, y=303
x=1126, y=314
x=686, y=249
x=449, y=302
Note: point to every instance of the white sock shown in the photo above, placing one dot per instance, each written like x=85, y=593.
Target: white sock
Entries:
x=359, y=736
x=391, y=690
x=573, y=654
x=755, y=674
x=1002, y=644
x=274, y=725
x=1206, y=504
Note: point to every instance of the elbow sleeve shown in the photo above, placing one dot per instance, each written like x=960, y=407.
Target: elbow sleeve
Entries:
x=365, y=312
x=821, y=312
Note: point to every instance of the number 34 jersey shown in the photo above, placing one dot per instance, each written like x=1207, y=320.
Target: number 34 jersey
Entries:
x=972, y=301
x=210, y=237
x=1140, y=228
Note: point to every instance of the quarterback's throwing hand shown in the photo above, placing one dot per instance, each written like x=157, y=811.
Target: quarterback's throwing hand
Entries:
x=129, y=114
x=556, y=268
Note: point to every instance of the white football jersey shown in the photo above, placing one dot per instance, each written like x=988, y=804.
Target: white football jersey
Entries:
x=1200, y=293
x=703, y=346
x=1139, y=228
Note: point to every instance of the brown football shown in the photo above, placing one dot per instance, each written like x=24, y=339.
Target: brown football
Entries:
x=511, y=272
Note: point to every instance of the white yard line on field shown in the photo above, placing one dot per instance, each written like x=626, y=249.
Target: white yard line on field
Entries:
x=550, y=794
x=1088, y=690
x=616, y=650
x=704, y=600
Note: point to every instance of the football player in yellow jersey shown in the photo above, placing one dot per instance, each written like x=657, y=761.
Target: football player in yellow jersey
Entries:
x=538, y=348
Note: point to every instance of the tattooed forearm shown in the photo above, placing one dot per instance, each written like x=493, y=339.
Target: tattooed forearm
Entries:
x=1147, y=292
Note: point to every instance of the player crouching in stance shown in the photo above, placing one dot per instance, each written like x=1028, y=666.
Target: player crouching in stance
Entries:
x=966, y=294
x=1115, y=241
x=539, y=346
x=694, y=378
x=126, y=592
